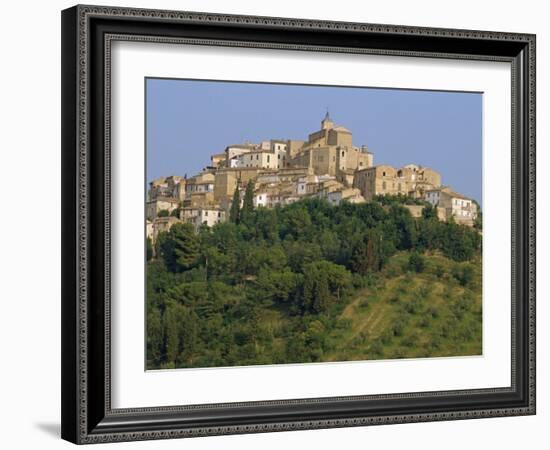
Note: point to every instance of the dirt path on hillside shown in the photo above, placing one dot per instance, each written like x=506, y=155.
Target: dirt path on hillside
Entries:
x=369, y=321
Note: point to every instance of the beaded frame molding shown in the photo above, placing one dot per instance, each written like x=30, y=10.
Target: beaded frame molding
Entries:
x=87, y=34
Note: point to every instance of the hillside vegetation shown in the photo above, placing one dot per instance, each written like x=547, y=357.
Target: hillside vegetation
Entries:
x=311, y=282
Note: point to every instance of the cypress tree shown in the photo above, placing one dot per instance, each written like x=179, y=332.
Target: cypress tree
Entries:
x=234, y=212
x=248, y=202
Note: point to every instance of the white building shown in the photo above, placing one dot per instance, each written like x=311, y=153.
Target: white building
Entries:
x=262, y=199
x=232, y=151
x=264, y=159
x=207, y=215
x=463, y=209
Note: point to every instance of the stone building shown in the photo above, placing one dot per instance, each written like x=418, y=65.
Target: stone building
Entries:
x=204, y=182
x=161, y=224
x=217, y=160
x=227, y=179
x=330, y=151
x=172, y=186
x=352, y=195
x=409, y=180
x=199, y=190
x=416, y=211
x=153, y=207
x=293, y=146
x=461, y=208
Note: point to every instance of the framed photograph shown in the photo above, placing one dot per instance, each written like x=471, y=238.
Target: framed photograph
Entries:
x=279, y=224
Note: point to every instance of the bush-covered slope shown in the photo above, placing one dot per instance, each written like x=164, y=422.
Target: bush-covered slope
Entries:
x=311, y=282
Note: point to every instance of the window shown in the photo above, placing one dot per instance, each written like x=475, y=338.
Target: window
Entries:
x=383, y=174
x=343, y=153
x=279, y=156
x=205, y=213
x=268, y=158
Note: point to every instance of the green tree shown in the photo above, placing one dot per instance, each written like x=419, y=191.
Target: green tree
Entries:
x=155, y=338
x=278, y=286
x=163, y=213
x=149, y=249
x=458, y=241
x=181, y=326
x=464, y=274
x=248, y=203
x=297, y=222
x=234, y=212
x=180, y=248
x=416, y=262
x=405, y=227
x=176, y=212
x=478, y=222
x=367, y=255
x=324, y=283
x=429, y=212
x=317, y=296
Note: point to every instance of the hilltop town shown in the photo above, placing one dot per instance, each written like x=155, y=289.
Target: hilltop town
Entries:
x=327, y=165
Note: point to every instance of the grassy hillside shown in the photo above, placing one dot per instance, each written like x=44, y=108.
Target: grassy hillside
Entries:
x=409, y=315
x=400, y=314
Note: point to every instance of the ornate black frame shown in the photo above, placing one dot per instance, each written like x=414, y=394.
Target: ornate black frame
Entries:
x=87, y=31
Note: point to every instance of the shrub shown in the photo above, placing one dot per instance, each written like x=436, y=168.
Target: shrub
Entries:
x=433, y=312
x=377, y=349
x=464, y=274
x=398, y=353
x=343, y=324
x=386, y=338
x=364, y=303
x=398, y=327
x=411, y=339
x=424, y=322
x=416, y=263
x=439, y=270
x=414, y=306
x=394, y=299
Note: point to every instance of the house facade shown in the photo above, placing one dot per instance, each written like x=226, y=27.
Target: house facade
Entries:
x=461, y=208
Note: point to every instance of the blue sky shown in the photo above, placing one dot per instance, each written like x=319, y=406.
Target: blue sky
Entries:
x=188, y=120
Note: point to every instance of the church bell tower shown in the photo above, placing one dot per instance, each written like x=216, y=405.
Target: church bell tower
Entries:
x=327, y=123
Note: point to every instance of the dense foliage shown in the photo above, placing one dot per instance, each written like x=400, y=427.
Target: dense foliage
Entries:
x=271, y=285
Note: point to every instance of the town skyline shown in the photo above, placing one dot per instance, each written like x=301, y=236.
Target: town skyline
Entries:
x=440, y=130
